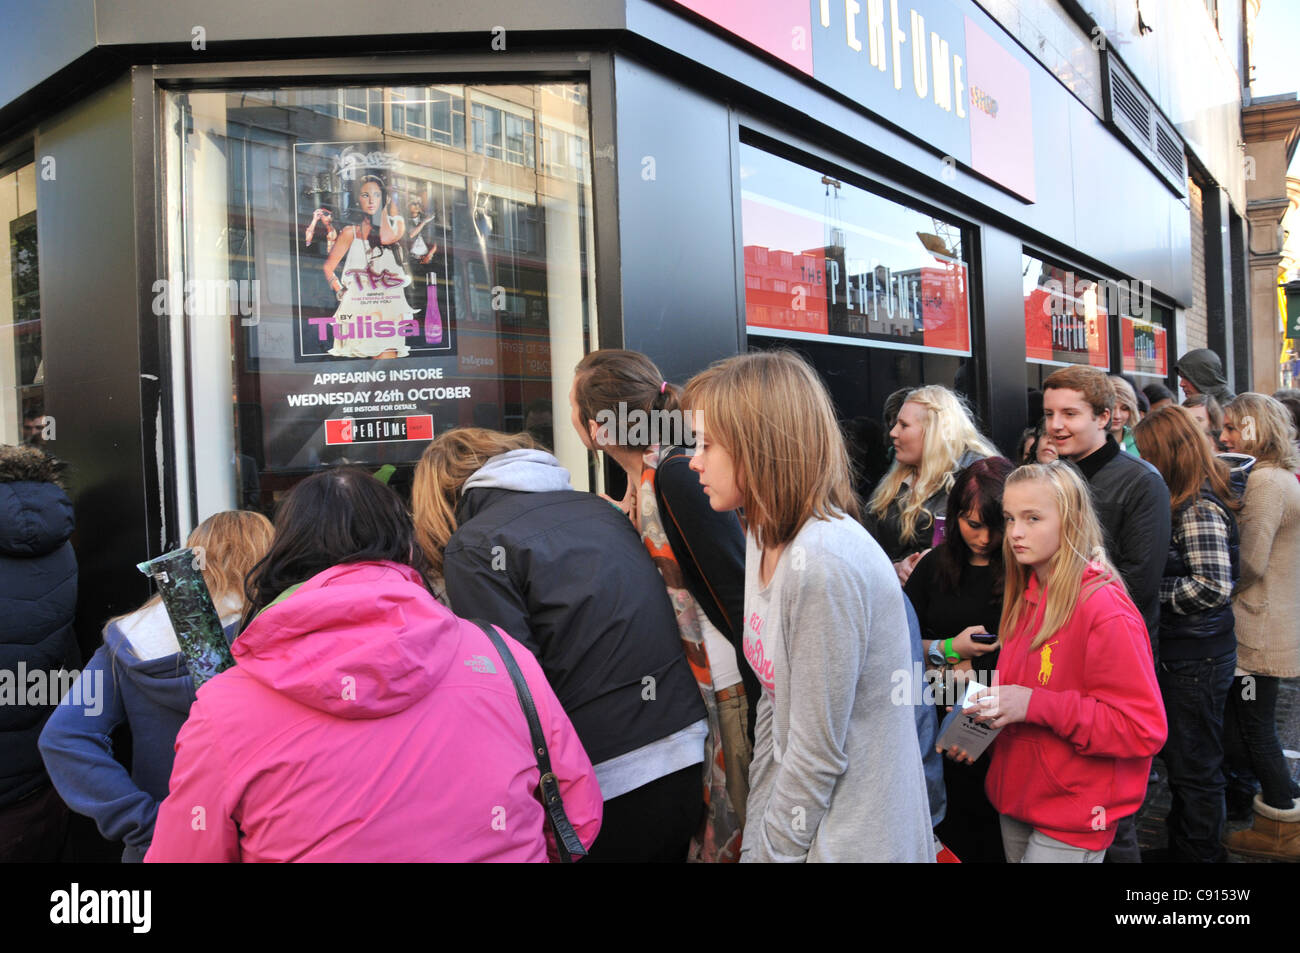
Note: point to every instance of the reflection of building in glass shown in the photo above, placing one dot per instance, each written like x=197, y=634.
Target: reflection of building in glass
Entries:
x=872, y=299
x=785, y=289
x=1066, y=318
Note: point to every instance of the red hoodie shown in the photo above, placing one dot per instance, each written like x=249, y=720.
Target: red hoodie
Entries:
x=1080, y=760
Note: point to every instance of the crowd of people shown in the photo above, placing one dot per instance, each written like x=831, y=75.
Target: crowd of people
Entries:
x=707, y=669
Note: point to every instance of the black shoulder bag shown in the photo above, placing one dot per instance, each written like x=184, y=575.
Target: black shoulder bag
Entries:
x=566, y=838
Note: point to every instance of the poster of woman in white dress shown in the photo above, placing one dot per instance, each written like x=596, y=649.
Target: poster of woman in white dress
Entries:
x=363, y=269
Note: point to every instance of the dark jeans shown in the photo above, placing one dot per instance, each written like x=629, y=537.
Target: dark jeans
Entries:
x=1250, y=739
x=32, y=830
x=1124, y=848
x=652, y=824
x=1195, y=692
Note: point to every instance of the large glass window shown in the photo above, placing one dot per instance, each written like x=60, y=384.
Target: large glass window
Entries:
x=1144, y=342
x=22, y=369
x=874, y=293
x=1067, y=318
x=832, y=262
x=345, y=283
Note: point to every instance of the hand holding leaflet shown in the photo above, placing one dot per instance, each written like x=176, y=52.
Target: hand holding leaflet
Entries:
x=188, y=602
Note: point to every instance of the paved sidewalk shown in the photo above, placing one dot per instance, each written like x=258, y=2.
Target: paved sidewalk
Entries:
x=1151, y=819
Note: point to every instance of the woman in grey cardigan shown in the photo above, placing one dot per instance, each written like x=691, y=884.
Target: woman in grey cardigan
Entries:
x=836, y=773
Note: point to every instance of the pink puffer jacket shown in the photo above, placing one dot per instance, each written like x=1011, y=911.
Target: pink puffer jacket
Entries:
x=365, y=722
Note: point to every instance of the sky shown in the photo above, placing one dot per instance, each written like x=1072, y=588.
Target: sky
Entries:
x=1277, y=53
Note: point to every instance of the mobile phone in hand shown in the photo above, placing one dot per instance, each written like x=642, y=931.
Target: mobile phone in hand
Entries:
x=987, y=638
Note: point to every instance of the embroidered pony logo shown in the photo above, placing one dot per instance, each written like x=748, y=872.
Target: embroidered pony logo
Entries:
x=1045, y=665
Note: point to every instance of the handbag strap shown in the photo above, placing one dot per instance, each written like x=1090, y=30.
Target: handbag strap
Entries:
x=567, y=842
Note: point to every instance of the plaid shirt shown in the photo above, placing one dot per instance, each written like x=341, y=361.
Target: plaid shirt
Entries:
x=1201, y=535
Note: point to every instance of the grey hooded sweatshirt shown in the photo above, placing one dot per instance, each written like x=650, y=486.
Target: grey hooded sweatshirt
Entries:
x=1204, y=369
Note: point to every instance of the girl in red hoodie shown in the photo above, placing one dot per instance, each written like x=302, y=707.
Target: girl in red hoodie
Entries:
x=1075, y=691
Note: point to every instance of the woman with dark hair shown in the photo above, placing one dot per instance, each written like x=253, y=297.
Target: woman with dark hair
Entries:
x=1037, y=445
x=956, y=590
x=1158, y=395
x=363, y=721
x=373, y=317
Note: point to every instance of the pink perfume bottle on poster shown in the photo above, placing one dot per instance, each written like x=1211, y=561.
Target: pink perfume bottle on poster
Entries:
x=432, y=316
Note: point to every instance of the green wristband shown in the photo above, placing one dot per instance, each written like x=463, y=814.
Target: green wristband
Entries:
x=948, y=653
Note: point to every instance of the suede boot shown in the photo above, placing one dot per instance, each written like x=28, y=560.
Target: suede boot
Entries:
x=1275, y=836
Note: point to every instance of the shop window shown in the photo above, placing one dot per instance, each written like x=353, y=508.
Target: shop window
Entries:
x=368, y=292
x=1144, y=341
x=519, y=140
x=850, y=266
x=22, y=386
x=1067, y=318
x=875, y=293
x=432, y=113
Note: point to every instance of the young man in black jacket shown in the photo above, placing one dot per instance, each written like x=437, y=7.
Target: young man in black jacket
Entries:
x=1132, y=504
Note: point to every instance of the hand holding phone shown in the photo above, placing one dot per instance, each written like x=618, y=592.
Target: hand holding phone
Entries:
x=974, y=641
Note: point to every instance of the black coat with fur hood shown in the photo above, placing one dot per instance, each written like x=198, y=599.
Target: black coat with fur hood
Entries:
x=38, y=599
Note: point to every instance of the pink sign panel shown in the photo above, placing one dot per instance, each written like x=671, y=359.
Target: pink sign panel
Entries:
x=782, y=28
x=1001, y=113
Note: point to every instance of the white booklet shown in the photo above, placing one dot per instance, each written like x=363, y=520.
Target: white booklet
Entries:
x=963, y=730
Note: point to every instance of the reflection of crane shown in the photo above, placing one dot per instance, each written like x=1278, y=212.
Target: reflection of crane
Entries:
x=831, y=213
x=945, y=240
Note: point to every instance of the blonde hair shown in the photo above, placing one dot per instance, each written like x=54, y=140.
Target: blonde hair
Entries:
x=949, y=434
x=441, y=473
x=1080, y=546
x=770, y=411
x=1273, y=443
x=229, y=545
x=1126, y=397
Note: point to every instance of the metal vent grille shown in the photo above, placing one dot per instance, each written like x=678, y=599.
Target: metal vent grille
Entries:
x=1169, y=149
x=1129, y=102
x=1135, y=119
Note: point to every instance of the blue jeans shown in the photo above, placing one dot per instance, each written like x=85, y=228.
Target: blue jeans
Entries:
x=1250, y=736
x=1195, y=693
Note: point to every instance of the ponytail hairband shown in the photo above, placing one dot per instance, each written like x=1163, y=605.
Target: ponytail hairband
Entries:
x=662, y=386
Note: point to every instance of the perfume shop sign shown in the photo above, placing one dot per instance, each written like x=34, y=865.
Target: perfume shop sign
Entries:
x=930, y=67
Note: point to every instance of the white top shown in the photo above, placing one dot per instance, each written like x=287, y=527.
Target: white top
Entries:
x=723, y=664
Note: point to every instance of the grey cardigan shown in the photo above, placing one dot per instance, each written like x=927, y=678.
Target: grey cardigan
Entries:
x=836, y=774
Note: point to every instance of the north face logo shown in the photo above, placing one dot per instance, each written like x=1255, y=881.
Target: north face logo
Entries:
x=481, y=664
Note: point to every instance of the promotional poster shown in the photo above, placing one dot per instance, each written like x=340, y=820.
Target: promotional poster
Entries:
x=372, y=271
